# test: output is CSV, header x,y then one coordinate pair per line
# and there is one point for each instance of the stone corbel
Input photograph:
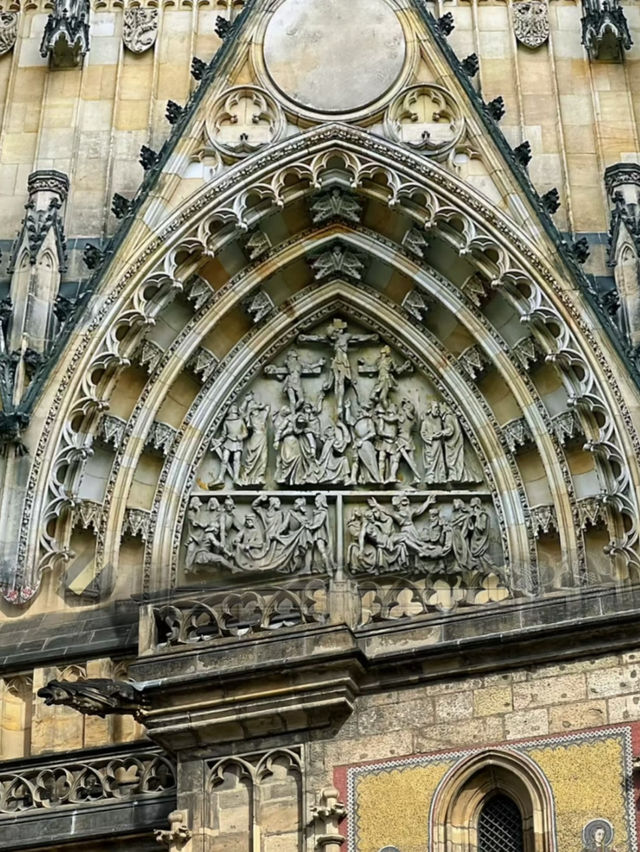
x,y
622,181
66,34
605,32
327,816
178,834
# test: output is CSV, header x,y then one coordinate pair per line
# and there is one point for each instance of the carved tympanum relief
x,y
531,22
140,28
8,31
307,456
244,120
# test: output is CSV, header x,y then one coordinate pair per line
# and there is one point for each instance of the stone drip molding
x,y
518,270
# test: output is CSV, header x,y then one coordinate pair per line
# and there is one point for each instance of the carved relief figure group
x,y
367,436
335,417
271,537
388,539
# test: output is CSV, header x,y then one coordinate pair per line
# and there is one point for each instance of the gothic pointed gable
x,y
337,335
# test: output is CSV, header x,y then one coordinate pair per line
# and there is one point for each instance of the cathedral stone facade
x,y
320,425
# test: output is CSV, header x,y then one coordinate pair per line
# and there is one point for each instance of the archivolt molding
x,y
465,788
232,294
425,193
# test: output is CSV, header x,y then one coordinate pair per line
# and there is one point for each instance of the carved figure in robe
x,y
272,516
373,549
207,546
319,536
274,539
437,533
479,538
333,464
363,430
250,543
387,374
340,340
461,526
408,539
453,439
230,444
296,445
291,373
406,445
197,521
228,521
387,442
435,470
256,451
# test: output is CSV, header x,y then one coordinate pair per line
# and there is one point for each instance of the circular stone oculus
x,y
334,56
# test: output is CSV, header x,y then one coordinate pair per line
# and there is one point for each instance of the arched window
x,y
495,801
500,826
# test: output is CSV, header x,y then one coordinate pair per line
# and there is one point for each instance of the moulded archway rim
x,y
226,198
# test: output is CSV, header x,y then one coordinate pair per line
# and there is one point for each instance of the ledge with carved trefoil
x,y
89,794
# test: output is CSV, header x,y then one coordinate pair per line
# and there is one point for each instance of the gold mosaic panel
x,y
589,775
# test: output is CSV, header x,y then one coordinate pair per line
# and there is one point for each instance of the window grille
x,y
500,826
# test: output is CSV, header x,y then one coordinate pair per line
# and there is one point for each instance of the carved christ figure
x,y
291,373
340,339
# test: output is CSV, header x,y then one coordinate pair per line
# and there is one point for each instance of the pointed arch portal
x,y
479,319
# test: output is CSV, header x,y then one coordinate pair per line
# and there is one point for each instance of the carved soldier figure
x,y
387,444
340,339
254,468
229,445
406,445
291,373
387,374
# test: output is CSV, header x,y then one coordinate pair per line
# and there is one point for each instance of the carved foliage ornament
x,y
425,118
8,31
244,120
140,29
531,22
